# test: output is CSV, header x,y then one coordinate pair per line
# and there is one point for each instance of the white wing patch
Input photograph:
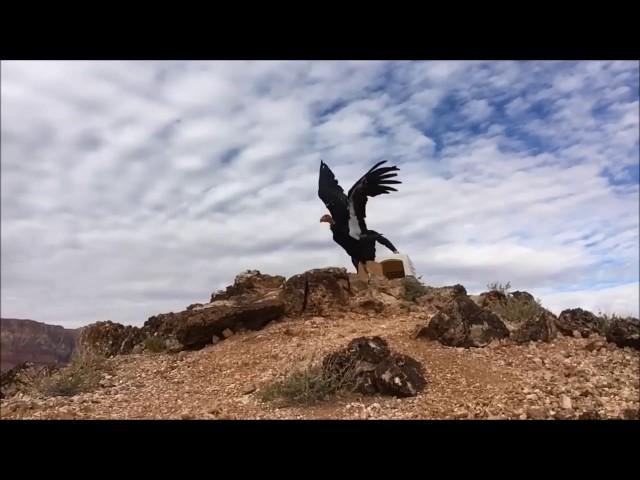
x,y
354,226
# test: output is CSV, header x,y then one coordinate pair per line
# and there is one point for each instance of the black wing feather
x,y
332,195
375,182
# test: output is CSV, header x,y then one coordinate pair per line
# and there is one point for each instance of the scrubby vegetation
x,y
310,383
499,287
155,345
83,374
413,288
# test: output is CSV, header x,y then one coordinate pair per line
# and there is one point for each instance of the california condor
x,y
348,212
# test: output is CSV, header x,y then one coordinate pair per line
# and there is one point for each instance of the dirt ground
x,y
566,378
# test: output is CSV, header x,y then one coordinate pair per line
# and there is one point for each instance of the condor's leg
x,y
367,271
356,264
363,273
373,268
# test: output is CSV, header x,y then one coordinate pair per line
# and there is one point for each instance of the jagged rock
x,y
526,320
368,349
163,324
22,377
370,305
251,302
196,328
624,332
109,339
526,296
172,344
399,375
249,283
539,328
492,297
316,292
441,296
377,295
582,321
373,368
11,380
462,323
226,333
394,288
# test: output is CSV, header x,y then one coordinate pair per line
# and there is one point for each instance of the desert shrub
x,y
413,288
81,375
517,310
155,344
311,383
499,287
611,317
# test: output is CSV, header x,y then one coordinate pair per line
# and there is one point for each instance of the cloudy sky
x,y
135,188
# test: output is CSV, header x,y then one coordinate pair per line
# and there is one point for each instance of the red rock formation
x,y
35,342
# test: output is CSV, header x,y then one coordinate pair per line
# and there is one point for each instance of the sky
x,y
135,188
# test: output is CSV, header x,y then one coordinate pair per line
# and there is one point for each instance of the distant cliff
x,y
37,342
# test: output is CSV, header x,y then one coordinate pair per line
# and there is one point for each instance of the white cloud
x,y
621,299
478,110
133,188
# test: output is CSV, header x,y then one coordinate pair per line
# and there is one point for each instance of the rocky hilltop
x,y
30,341
325,344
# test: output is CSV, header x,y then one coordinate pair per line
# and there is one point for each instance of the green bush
x,y
81,375
310,384
499,287
155,344
413,288
517,310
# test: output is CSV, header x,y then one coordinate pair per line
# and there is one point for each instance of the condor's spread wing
x,y
332,195
375,182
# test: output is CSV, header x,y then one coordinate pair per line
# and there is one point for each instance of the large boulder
x,y
462,323
399,375
624,332
526,320
491,298
109,339
372,368
541,327
378,295
317,292
162,325
525,296
253,300
196,328
582,321
21,378
438,297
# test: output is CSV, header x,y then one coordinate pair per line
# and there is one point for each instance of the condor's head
x,y
327,219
